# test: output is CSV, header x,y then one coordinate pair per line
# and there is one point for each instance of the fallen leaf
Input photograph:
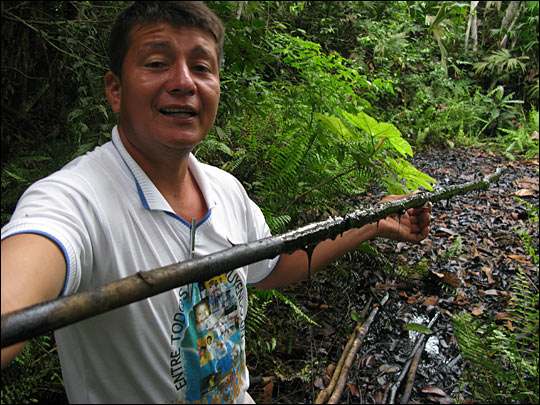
x,y
388,368
451,279
433,390
449,231
330,370
440,275
326,380
524,192
378,397
367,361
352,387
446,312
267,393
527,183
319,383
441,400
519,258
491,292
489,274
412,300
505,294
478,311
461,299
327,330
429,301
509,325
501,316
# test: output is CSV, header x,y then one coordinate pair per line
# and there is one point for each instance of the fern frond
x,y
256,317
294,307
504,362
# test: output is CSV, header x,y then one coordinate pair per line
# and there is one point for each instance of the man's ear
x,y
113,89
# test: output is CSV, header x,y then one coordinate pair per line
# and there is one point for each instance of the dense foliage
x,y
320,100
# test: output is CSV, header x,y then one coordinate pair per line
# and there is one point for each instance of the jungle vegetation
x,y
320,101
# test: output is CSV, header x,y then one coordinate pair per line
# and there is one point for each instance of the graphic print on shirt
x,y
208,333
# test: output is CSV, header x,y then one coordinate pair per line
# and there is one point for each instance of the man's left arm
x,y
412,226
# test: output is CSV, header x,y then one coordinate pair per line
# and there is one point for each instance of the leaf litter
x,y
468,263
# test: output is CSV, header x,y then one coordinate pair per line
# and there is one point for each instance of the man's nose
x,y
181,79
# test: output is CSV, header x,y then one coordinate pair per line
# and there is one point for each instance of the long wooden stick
x,y
41,318
361,334
325,393
412,373
419,342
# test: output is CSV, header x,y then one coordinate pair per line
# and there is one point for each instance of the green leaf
x,y
380,130
362,121
337,126
395,187
418,327
401,145
386,130
16,177
407,171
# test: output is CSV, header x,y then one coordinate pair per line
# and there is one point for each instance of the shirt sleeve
x,y
259,229
52,208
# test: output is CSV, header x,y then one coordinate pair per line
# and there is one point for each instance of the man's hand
x,y
411,226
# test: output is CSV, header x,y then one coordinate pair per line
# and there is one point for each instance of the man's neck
x,y
169,171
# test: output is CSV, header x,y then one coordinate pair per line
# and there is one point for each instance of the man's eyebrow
x,y
200,50
166,45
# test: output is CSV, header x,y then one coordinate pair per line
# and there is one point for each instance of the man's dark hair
x,y
177,13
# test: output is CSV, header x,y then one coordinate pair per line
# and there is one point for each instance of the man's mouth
x,y
178,112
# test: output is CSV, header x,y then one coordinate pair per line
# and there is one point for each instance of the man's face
x,y
169,91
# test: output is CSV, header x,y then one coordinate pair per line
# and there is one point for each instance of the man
x,y
132,205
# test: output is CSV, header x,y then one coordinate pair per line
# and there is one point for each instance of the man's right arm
x,y
33,271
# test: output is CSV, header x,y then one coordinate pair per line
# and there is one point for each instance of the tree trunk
x,y
239,9
475,34
471,25
510,18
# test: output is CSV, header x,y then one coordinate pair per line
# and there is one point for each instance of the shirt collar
x,y
151,197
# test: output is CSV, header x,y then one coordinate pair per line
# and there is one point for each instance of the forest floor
x,y
433,278
436,277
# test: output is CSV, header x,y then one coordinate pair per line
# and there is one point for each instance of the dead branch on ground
x,y
333,392
413,358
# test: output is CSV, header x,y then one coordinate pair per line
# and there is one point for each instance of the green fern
x,y
284,157
256,317
370,256
275,222
267,295
503,363
294,307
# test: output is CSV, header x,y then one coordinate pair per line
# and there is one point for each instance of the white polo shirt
x,y
111,221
